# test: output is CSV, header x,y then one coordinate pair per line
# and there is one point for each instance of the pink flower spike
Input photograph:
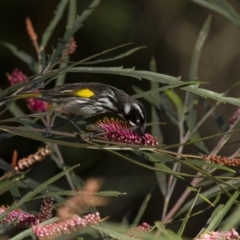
x,y
23,219
16,77
139,231
34,104
65,226
19,218
225,235
120,131
37,105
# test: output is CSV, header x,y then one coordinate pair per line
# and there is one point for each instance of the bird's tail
x,y
20,96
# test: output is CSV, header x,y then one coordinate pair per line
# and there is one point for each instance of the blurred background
x,y
169,29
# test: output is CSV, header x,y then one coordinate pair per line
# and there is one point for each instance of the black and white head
x,y
135,114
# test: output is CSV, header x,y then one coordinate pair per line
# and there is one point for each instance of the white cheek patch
x,y
139,109
127,108
132,124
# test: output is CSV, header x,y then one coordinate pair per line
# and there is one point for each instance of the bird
x,y
89,99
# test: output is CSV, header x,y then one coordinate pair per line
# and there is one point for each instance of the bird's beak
x,y
140,130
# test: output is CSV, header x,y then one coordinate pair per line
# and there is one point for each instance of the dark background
x,y
169,29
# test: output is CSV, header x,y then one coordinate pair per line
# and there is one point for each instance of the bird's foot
x,y
48,131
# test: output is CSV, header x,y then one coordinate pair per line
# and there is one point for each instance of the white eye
x,y
138,121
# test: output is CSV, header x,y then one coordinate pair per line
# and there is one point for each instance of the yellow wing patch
x,y
85,93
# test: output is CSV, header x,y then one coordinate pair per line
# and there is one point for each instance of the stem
x,y
176,167
63,166
180,201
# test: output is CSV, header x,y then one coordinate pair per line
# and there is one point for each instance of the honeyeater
x,y
89,99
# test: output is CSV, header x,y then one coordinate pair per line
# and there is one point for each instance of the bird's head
x,y
135,114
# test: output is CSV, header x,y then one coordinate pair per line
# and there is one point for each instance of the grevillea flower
x,y
234,118
65,226
225,235
46,211
27,162
120,131
16,77
71,47
35,105
139,231
21,218
222,160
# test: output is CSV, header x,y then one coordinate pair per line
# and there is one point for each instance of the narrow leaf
x,y
222,7
32,64
218,216
183,225
58,15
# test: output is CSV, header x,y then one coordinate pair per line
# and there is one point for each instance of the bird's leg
x,y
50,123
83,135
70,120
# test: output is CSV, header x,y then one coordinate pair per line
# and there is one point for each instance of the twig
x,y
63,166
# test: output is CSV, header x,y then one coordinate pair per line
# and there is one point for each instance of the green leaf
x,y
113,233
193,73
191,100
217,217
183,225
75,26
222,7
42,60
168,108
142,209
16,110
213,95
213,215
72,13
16,195
58,15
131,72
176,100
148,98
71,30
232,221
165,234
157,77
122,55
8,183
109,194
32,64
157,89
200,145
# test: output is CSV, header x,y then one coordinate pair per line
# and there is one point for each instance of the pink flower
x,y
46,211
20,218
65,226
139,231
234,118
37,105
120,131
227,235
34,104
16,77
